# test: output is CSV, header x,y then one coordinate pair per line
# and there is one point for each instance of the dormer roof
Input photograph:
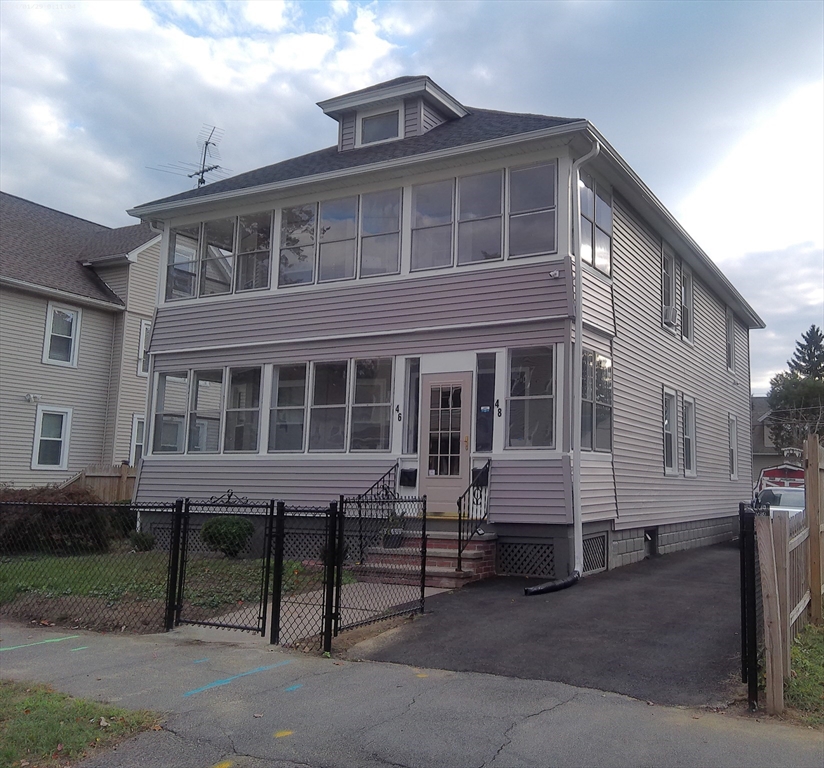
x,y
392,91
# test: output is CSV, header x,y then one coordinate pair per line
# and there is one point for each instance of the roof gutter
x,y
55,293
180,206
577,362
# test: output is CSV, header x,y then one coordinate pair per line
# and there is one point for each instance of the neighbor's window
x,y
138,437
480,217
595,223
242,410
181,272
51,438
485,401
297,246
729,338
327,426
596,402
689,437
253,253
338,239
432,215
379,127
687,303
143,348
380,233
532,210
287,417
205,411
372,405
170,412
62,336
670,432
530,404
732,426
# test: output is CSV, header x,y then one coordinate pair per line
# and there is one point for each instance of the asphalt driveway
x,y
664,630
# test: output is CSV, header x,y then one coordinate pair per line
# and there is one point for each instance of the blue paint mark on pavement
x,y
199,661
293,687
228,680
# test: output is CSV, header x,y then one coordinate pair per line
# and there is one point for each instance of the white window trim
x,y
669,311
687,273
136,417
142,347
374,112
66,433
76,311
668,392
732,430
729,341
693,452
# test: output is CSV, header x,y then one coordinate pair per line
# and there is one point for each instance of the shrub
x,y
227,533
142,541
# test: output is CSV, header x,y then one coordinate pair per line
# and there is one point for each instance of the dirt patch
x,y
352,637
99,614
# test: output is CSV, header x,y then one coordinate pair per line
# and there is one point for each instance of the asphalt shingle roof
x,y
45,247
478,126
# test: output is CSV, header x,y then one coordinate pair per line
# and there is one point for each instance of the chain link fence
x,y
86,566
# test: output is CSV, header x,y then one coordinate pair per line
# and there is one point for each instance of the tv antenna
x,y
207,141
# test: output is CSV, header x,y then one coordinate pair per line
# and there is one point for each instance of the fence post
x,y
781,537
277,582
812,484
268,529
423,553
184,552
749,628
329,577
174,565
774,677
121,480
340,556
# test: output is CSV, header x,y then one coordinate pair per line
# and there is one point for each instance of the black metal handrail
x,y
473,508
385,487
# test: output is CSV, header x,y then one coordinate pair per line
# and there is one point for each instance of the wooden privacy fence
x,y
789,552
107,483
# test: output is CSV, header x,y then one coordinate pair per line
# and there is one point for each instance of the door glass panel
x,y
444,431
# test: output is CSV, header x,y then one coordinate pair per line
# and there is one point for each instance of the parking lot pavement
x,y
230,700
664,630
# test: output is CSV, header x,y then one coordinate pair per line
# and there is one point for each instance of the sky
x,y
717,106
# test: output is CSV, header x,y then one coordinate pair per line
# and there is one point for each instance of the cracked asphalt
x,y
231,701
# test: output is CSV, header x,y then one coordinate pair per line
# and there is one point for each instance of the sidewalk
x,y
232,700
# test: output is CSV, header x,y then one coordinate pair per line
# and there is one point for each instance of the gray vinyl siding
x,y
347,131
530,491
476,296
131,388
116,375
411,117
117,278
84,389
293,479
597,301
648,357
430,118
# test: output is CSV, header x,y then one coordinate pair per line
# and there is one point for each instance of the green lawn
x,y
804,691
42,728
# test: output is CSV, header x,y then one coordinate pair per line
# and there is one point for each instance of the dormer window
x,y
380,127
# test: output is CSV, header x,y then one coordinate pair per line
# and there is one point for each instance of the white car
x,y
783,499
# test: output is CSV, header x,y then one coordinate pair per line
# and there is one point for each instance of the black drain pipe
x,y
553,586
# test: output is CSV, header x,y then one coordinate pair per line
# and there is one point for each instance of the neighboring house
x,y
76,305
408,295
764,452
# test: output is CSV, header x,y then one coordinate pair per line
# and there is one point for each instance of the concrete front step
x,y
436,576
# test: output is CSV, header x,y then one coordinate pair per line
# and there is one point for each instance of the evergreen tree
x,y
808,358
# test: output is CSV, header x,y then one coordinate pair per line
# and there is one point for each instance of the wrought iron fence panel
x,y
89,566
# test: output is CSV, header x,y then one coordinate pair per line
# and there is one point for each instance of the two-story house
x,y
76,305
411,294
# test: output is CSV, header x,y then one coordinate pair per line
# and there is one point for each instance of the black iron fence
x,y
751,605
473,507
88,566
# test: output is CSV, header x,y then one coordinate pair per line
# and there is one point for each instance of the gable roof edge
x,y
65,296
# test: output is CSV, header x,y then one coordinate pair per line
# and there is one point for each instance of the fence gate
x,y
219,563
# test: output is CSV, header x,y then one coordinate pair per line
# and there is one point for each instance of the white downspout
x,y
577,364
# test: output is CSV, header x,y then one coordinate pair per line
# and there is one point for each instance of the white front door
x,y
446,402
